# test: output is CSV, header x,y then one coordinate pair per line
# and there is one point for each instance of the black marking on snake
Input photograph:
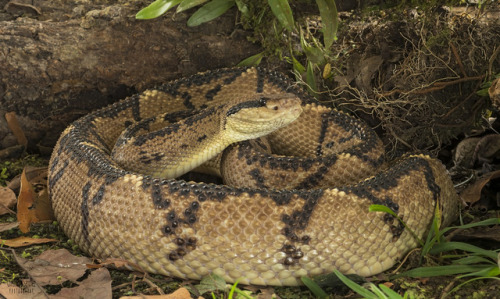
x,y
258,178
99,195
187,100
325,121
205,113
293,254
298,221
345,139
85,211
57,176
313,180
93,133
140,140
149,158
127,123
213,92
201,138
244,105
159,201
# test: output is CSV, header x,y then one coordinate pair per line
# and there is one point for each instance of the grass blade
x,y
281,9
253,60
210,11
314,287
390,293
354,286
329,18
440,271
310,78
156,9
448,246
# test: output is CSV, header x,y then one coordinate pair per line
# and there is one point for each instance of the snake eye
x,y
263,101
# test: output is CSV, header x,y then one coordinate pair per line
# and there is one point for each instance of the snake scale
x,y
259,234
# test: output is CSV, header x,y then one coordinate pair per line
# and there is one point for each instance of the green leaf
x,y
187,4
354,286
281,9
486,272
310,78
210,11
156,9
297,66
211,283
441,271
329,18
470,260
253,60
389,292
313,287
382,208
243,8
313,54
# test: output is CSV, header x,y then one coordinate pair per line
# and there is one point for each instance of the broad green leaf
x,y
329,18
211,283
297,66
281,9
313,54
187,4
156,9
253,60
314,287
210,11
310,78
354,286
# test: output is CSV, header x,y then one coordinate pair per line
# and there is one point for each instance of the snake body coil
x,y
260,235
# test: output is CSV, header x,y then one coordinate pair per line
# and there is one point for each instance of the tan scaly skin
x,y
187,149
257,235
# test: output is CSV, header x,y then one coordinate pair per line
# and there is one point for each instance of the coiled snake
x,y
260,234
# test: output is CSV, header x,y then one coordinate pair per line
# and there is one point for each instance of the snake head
x,y
261,115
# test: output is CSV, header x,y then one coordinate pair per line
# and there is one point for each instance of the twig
x,y
434,87
153,285
492,59
459,61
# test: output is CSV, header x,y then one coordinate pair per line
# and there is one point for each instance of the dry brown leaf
x,y
11,291
16,129
35,175
97,285
55,267
472,193
7,226
25,241
32,207
7,200
181,293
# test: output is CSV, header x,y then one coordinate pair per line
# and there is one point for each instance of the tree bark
x,y
60,60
